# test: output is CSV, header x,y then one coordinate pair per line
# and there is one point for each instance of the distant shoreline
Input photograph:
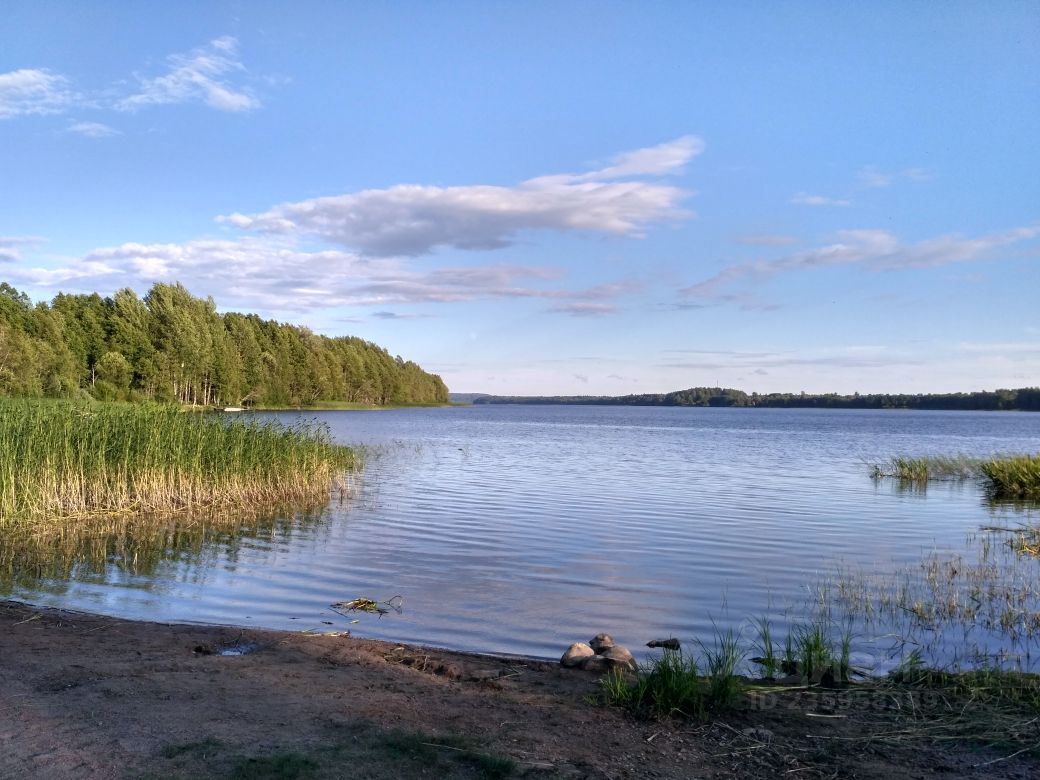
x,y
1025,399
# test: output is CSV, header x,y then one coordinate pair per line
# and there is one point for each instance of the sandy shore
x,y
85,696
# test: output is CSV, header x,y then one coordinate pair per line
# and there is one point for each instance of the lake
x,y
521,529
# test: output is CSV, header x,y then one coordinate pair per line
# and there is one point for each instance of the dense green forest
x,y
1024,399
172,346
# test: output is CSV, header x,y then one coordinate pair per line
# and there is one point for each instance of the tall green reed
x,y
62,460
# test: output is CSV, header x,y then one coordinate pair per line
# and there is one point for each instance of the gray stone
x,y
595,663
601,642
668,644
619,656
575,654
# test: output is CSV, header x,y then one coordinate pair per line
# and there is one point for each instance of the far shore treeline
x,y
173,347
1025,399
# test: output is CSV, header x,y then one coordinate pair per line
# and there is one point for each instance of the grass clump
x,y
1005,477
674,684
925,468
62,460
809,651
1013,477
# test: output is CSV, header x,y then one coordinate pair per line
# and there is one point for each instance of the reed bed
x,y
925,468
62,461
1014,477
1004,476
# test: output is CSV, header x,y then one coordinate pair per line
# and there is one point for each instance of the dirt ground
x,y
84,696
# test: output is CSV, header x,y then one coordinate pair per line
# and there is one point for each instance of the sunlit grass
x,y
1004,476
1013,477
61,461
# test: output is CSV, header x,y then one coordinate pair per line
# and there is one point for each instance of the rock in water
x,y
618,656
575,654
668,644
601,642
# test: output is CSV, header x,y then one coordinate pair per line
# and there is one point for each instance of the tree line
x,y
173,347
1023,399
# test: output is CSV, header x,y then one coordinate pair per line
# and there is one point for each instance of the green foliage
x,y
1013,477
673,684
61,459
769,659
174,347
925,468
1006,477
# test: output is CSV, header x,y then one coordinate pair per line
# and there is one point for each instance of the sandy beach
x,y
87,696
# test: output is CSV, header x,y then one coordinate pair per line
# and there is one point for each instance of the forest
x,y
173,347
1023,399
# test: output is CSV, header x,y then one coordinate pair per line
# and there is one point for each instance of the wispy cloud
x,y
805,199
10,247
394,315
276,276
212,74
413,219
854,356
874,249
766,239
29,91
584,309
93,129
870,177
202,75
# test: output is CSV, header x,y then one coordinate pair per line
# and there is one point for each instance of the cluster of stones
x,y
599,655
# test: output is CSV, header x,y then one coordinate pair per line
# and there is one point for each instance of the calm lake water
x,y
522,529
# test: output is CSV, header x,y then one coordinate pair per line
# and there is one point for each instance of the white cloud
x,y
93,129
207,74
10,247
661,160
28,91
199,75
271,275
412,219
805,199
874,249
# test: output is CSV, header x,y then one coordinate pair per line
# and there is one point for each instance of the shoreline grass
x,y
64,460
988,706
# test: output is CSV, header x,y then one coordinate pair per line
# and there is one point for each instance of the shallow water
x,y
522,529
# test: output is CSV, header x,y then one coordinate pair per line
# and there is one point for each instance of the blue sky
x,y
551,197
